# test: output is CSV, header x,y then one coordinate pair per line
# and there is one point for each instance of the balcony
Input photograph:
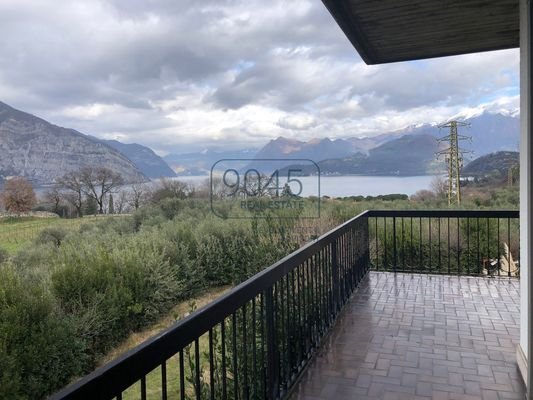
x,y
391,304
419,336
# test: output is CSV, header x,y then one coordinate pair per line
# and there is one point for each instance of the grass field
x,y
15,232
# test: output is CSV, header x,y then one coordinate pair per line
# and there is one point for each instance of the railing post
x,y
272,356
394,254
367,245
335,280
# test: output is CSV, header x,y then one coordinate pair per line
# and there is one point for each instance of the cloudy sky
x,y
183,75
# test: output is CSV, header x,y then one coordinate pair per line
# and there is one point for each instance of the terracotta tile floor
x,y
412,336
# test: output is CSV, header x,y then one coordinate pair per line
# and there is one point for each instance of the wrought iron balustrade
x,y
251,343
445,241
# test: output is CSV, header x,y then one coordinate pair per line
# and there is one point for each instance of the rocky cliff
x,y
42,152
151,165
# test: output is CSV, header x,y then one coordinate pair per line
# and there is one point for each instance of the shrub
x,y
4,255
52,235
112,286
39,351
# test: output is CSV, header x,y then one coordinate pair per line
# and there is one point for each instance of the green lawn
x,y
15,232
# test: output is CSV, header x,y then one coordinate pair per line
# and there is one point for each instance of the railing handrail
x,y
445,213
127,369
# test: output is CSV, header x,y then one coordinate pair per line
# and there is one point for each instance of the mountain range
x,y
499,163
144,158
43,152
394,157
409,151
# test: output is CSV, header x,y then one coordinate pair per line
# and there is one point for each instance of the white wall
x,y
525,169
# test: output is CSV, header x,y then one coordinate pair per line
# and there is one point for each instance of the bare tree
x,y
138,191
439,186
98,183
54,197
73,183
121,202
18,195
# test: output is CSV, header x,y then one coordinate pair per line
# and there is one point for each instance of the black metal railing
x,y
251,343
445,242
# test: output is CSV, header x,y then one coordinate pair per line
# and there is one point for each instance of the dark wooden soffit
x,y
385,31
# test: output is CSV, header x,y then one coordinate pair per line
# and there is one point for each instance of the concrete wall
x,y
525,179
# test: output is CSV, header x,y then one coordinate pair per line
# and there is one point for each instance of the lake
x,y
352,185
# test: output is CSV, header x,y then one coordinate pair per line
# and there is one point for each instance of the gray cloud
x,y
176,74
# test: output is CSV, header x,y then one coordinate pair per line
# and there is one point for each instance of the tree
x,y
121,202
98,183
90,206
137,195
54,197
439,187
423,196
18,195
111,206
72,182
169,188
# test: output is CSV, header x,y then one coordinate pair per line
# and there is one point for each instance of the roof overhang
x,y
385,31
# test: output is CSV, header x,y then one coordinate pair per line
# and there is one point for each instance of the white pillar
x,y
525,349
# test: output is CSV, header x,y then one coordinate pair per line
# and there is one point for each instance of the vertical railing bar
x,y
264,359
449,248
385,248
325,294
182,375
420,242
343,256
478,253
321,294
143,387
307,308
288,333
280,320
223,351
314,299
509,243
411,246
377,245
211,366
394,249
164,380
197,385
403,244
335,268
468,255
272,363
440,246
488,244
234,354
458,246
246,393
254,348
430,244
299,270
499,252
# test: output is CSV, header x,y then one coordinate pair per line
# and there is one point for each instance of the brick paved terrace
x,y
414,336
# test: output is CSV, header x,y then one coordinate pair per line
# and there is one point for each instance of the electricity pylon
x,y
454,159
